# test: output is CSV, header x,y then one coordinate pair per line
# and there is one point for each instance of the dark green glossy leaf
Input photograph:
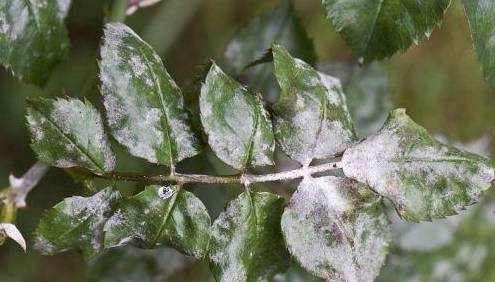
x,y
459,248
337,229
76,224
145,108
68,133
238,127
160,216
377,29
246,241
424,178
130,264
33,38
311,116
280,25
481,18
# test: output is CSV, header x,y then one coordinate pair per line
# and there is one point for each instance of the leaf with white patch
x,y
76,223
238,127
33,39
160,216
337,229
481,18
10,230
311,116
246,241
424,178
68,133
280,25
145,108
378,29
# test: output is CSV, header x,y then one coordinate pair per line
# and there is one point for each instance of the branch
x,y
244,179
22,186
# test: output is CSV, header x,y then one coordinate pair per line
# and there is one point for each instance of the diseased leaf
x,y
246,242
145,108
311,117
160,216
76,223
337,229
33,38
481,18
424,178
130,264
280,25
377,29
238,127
458,248
10,230
68,133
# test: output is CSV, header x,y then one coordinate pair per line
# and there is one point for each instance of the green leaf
x,y
311,116
337,229
280,25
246,242
238,127
424,178
76,223
377,29
160,216
131,264
68,133
145,108
459,248
33,38
481,18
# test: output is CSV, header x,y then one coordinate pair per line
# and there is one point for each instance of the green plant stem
x,y
118,11
244,179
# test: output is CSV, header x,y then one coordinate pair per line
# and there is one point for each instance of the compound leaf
x,y
238,127
246,241
33,38
377,29
68,133
160,216
424,178
337,229
311,117
145,108
76,223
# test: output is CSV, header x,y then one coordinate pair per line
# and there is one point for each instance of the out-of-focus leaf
x,y
280,25
76,223
337,229
238,127
459,248
424,178
134,5
69,133
145,108
311,116
481,18
246,240
130,264
378,29
10,230
33,38
160,216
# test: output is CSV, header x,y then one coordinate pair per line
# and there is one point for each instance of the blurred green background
x,y
439,82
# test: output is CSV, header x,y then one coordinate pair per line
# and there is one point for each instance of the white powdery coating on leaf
x,y
328,237
11,231
381,159
83,123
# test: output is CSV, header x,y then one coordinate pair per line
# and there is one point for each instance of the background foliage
x,y
439,82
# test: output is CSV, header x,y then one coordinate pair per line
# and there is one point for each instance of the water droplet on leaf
x,y
165,192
